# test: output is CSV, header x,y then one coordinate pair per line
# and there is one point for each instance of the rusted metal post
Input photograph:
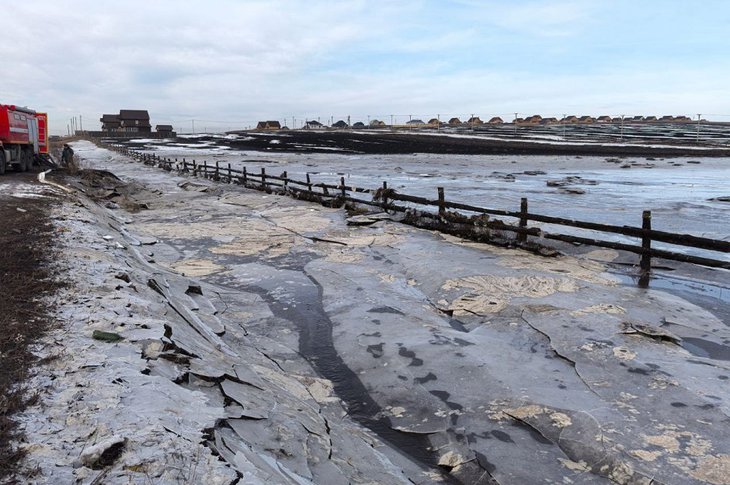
x,y
342,187
263,177
646,242
521,236
442,201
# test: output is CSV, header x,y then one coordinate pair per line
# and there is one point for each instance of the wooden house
x,y
495,120
268,125
165,130
135,121
313,125
454,121
110,122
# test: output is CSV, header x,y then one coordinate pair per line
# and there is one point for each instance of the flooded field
x,y
685,194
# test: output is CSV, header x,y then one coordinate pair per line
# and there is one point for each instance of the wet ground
x,y
686,194
464,360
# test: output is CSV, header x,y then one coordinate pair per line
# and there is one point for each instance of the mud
x,y
279,336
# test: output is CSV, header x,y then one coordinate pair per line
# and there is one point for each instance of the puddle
x,y
710,296
300,302
705,348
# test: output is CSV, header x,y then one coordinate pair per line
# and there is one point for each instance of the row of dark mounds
x,y
384,143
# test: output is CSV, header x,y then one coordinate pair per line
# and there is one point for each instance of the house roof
x,y
107,118
134,114
163,127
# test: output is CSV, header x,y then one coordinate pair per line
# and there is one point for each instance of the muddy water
x,y
295,296
715,298
681,192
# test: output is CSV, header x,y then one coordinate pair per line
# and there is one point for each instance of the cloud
x,y
233,62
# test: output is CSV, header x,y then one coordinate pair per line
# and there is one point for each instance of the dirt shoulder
x,y
28,281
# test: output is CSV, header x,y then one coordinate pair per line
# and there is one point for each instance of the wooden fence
x,y
478,225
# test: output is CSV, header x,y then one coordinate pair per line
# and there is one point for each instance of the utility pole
x,y
81,123
563,121
193,123
391,122
622,127
472,121
438,122
699,116
515,122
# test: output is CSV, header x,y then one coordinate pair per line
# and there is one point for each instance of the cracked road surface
x,y
468,363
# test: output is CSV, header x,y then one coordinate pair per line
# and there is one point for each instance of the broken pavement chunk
x,y
106,336
650,331
103,454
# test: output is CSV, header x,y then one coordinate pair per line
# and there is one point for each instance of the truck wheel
x,y
23,166
2,162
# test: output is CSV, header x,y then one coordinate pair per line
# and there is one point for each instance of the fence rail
x,y
477,225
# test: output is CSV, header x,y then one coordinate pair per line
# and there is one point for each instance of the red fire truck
x,y
23,137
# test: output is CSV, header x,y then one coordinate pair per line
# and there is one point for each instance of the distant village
x,y
134,121
534,120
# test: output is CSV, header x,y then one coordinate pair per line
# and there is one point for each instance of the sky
x,y
224,64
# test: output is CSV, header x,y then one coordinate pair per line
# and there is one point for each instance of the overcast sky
x,y
227,64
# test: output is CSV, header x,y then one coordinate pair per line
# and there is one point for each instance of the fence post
x,y
230,179
442,201
309,183
385,196
245,176
342,187
263,178
286,180
521,236
646,242
205,169
217,170
195,168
